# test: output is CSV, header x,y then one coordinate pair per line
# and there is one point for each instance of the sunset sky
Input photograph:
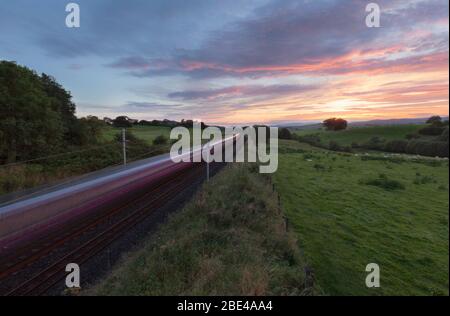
x,y
238,61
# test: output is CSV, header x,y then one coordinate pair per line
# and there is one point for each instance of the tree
x,y
61,102
37,116
435,120
335,124
91,128
30,125
285,134
122,121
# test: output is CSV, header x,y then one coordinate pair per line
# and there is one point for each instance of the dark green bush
x,y
423,179
396,146
444,135
312,139
412,136
375,143
427,148
432,130
334,146
285,134
160,140
319,167
384,182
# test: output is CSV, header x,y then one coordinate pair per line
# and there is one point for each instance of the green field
x,y
363,134
146,133
347,213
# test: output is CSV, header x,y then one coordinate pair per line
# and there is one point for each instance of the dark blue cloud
x,y
298,32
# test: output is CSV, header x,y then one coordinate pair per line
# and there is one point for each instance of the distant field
x,y
147,133
363,134
343,223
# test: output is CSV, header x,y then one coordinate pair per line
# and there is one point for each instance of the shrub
x,y
334,146
312,139
285,134
160,140
319,167
444,135
347,149
432,130
423,179
412,136
375,143
396,146
384,182
427,148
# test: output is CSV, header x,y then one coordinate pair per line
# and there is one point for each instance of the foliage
x,y
396,146
37,116
335,124
435,120
384,182
432,130
374,143
30,119
160,140
428,148
444,136
382,138
285,134
122,122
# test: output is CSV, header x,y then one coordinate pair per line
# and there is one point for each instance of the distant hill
x,y
404,121
304,127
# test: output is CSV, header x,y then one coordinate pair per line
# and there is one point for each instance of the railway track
x,y
45,279
22,257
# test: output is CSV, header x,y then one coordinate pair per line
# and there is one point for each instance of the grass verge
x,y
230,239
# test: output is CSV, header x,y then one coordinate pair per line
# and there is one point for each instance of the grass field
x,y
146,133
363,134
347,213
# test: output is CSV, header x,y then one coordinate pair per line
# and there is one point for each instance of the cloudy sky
x,y
238,61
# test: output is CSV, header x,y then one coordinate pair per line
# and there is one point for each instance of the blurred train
x,y
27,218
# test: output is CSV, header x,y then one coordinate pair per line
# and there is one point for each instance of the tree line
x,y
37,116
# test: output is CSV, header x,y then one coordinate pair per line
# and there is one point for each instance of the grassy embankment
x,y
350,210
229,240
107,153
